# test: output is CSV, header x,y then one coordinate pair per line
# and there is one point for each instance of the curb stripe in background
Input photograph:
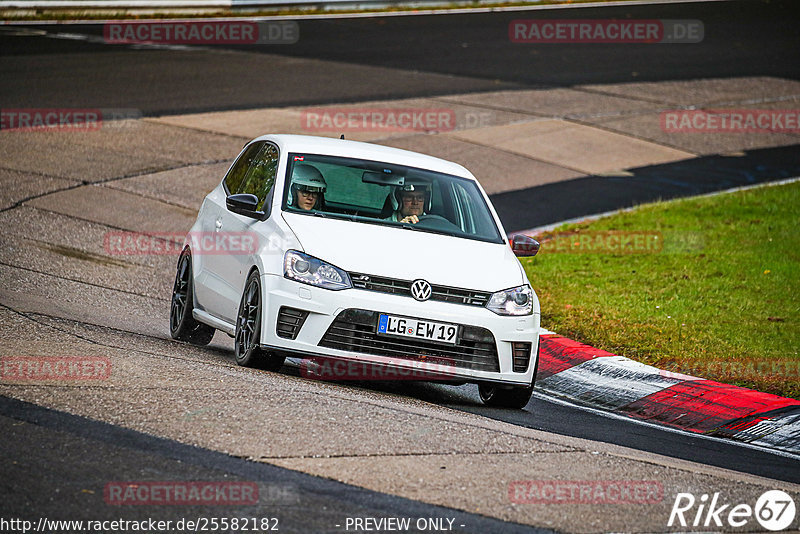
x,y
604,380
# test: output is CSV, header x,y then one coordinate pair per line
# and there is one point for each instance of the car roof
x,y
355,149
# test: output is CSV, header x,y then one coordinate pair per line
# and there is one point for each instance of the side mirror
x,y
244,204
524,246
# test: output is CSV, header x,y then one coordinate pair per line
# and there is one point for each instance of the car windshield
x,y
387,194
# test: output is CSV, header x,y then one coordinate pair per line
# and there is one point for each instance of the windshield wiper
x,y
344,216
415,227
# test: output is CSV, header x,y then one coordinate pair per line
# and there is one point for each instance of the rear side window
x,y
237,173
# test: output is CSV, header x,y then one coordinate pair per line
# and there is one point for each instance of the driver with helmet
x,y
308,187
413,200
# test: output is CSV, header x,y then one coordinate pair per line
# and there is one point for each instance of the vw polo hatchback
x,y
315,247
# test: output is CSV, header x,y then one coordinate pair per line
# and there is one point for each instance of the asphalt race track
x,y
407,56
324,452
81,441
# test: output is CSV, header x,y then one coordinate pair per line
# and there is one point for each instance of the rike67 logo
x,y
774,510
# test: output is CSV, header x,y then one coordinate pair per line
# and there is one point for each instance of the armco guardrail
x,y
158,5
204,6
146,4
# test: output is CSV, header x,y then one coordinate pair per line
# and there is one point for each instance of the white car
x,y
316,247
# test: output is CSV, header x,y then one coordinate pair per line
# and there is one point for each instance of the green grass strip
x,y
708,286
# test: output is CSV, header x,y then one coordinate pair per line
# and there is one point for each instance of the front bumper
x,y
342,325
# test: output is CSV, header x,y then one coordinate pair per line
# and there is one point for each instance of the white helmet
x,y
306,177
413,185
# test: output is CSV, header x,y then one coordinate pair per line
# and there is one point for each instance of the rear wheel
x,y
182,325
248,330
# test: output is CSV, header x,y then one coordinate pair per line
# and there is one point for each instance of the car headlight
x,y
514,301
310,270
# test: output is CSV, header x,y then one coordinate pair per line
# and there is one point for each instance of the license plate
x,y
391,325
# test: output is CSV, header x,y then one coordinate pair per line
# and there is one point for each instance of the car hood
x,y
407,254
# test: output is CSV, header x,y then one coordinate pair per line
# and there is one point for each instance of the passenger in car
x,y
308,188
413,201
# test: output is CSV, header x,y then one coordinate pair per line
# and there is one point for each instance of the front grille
x,y
394,286
355,330
290,321
381,284
522,356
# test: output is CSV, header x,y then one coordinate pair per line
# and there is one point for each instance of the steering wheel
x,y
437,222
432,217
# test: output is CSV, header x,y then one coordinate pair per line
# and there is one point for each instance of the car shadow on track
x,y
550,415
432,392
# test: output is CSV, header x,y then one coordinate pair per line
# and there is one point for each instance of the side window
x,y
237,173
261,174
471,218
464,209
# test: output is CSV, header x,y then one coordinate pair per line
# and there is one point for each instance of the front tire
x,y
496,396
182,325
518,398
248,330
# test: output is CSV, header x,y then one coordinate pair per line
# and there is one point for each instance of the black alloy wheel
x,y
182,325
248,330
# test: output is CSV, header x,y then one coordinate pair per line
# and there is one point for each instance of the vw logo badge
x,y
421,290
